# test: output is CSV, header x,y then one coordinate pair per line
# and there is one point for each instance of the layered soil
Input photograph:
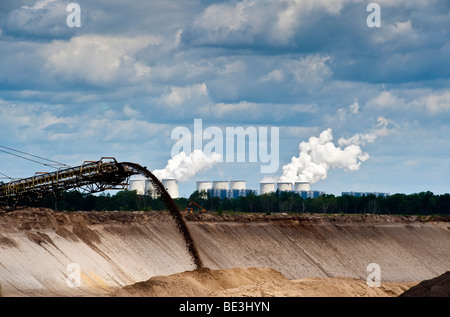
x,y
143,254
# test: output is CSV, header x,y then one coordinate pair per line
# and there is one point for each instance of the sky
x,y
358,108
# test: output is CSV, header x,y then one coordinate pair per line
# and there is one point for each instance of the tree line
x,y
423,203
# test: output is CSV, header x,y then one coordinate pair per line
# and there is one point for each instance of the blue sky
x,y
119,84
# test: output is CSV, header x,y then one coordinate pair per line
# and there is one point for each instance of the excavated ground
x,y
143,254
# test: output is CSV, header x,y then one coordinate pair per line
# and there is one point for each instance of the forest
x,y
423,203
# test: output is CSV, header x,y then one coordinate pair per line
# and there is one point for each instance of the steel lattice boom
x,y
90,177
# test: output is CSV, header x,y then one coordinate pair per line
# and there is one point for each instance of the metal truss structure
x,y
90,177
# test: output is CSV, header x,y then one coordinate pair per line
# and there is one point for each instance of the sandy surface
x,y
276,255
256,282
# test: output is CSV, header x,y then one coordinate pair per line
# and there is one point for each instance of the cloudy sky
x,y
135,70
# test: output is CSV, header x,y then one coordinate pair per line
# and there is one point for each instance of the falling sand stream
x,y
174,211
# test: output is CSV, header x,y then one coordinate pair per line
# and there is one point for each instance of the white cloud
x,y
221,109
354,108
249,21
398,31
431,102
39,4
97,59
276,75
228,20
311,69
254,110
384,100
304,108
43,19
23,122
130,112
233,67
116,130
435,103
294,14
344,113
298,132
181,95
31,123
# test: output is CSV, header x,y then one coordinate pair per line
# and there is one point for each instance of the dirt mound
x,y
255,282
436,287
200,282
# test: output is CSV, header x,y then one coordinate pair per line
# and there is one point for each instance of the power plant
x,y
237,189
171,185
139,185
284,186
231,189
237,185
301,188
145,187
266,188
203,187
234,189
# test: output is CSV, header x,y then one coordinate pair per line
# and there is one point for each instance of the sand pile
x,y
436,287
255,282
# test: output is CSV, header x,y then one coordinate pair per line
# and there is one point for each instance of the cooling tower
x,y
220,185
266,188
151,191
284,186
239,185
203,185
139,185
299,186
171,185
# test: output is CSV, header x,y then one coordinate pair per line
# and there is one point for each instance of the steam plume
x,y
320,154
182,167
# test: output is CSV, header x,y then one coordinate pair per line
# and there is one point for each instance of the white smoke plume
x,y
320,154
182,167
362,139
